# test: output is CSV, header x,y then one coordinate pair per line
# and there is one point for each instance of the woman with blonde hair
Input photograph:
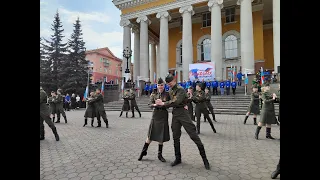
x,y
254,105
267,116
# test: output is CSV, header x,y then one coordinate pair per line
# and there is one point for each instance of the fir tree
x,y
76,67
45,71
56,52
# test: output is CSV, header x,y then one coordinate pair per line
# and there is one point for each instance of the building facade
x,y
241,33
104,65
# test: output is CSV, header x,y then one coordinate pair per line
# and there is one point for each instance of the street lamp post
x,y
127,54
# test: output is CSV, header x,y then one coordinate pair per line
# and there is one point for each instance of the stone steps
x,y
236,105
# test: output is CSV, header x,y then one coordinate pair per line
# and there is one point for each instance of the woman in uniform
x,y
254,105
90,111
126,104
159,126
52,105
267,116
189,103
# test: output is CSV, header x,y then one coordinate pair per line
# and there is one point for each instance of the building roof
x,y
101,51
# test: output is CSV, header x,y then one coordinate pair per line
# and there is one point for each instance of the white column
x,y
276,34
246,35
136,54
215,7
144,46
158,62
187,50
152,61
164,43
126,24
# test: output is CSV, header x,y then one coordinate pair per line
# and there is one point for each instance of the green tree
x,y
76,67
56,54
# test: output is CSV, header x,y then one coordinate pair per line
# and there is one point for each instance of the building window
x,y
105,70
206,50
230,14
100,69
110,72
231,46
181,24
206,19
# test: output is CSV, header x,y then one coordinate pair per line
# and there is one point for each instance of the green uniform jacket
x,y
254,103
199,98
44,109
59,103
98,102
178,97
159,125
52,105
268,115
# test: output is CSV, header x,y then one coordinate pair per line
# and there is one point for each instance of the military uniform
x,y
126,104
45,116
253,106
134,103
159,125
90,112
199,99
209,105
190,106
98,104
59,107
267,115
52,106
180,117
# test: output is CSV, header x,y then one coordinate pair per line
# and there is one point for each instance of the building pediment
x,y
123,4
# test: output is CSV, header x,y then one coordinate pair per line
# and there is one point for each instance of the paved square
x,y
85,153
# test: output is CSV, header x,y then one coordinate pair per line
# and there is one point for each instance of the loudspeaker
x,y
278,69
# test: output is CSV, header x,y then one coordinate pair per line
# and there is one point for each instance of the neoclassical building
x,y
171,34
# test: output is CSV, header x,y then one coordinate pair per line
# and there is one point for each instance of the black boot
x,y
99,124
257,132
177,153
255,121
245,120
54,130
139,113
212,126
204,157
160,153
92,120
144,151
41,132
214,117
107,123
58,120
268,133
65,119
276,172
85,122
53,119
120,113
205,120
126,114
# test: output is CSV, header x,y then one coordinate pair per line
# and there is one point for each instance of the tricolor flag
x,y
154,77
85,95
122,84
262,76
102,88
176,75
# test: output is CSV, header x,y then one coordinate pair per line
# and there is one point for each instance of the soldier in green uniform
x,y
100,112
45,116
126,104
180,117
278,101
254,105
268,115
90,111
189,103
209,105
159,126
52,105
134,103
59,107
199,99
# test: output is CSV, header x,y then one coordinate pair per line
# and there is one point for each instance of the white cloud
x,y
93,35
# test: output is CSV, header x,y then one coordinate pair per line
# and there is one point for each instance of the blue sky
x,y
100,21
